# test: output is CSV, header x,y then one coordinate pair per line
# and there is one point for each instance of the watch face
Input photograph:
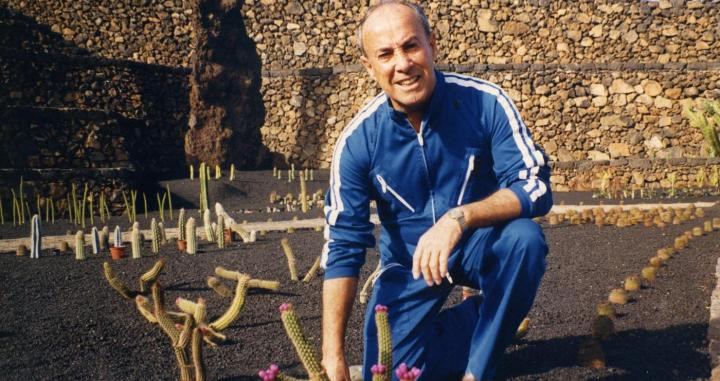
x,y
456,213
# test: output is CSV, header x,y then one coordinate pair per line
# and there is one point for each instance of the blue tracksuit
x,y
472,142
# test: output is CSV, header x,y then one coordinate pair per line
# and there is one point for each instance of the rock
x,y
702,45
596,31
297,100
664,121
299,48
630,37
670,153
542,90
673,93
670,31
564,155
557,179
292,26
598,89
661,102
652,88
621,87
663,58
586,42
594,133
514,28
486,25
597,155
294,8
615,121
562,47
583,18
600,101
574,35
618,150
695,4
550,147
665,4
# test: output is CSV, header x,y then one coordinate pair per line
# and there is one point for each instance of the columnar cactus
x,y
313,270
384,339
115,282
79,245
191,236
105,238
136,243
302,347
151,275
163,237
303,195
207,224
234,310
181,224
35,237
290,258
155,234
220,231
117,237
95,240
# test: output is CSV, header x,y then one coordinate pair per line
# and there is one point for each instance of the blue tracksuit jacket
x,y
472,142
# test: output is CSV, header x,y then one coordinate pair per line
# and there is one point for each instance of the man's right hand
x,y
336,368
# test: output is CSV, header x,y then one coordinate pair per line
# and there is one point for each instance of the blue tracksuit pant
x,y
506,262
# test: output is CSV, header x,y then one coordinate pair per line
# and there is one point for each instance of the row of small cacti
x,y
590,352
307,174
658,217
206,168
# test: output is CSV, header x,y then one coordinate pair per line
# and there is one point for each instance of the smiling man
x,y
456,178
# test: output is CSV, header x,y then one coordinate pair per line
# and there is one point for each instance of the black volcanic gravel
x,y
63,321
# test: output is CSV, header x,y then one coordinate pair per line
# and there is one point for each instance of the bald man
x,y
456,178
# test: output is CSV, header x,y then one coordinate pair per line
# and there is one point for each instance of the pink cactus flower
x,y
380,308
285,307
378,369
405,374
270,373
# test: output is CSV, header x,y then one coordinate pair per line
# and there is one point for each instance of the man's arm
x,y
338,296
434,247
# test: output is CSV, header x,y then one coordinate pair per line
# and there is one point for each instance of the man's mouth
x,y
408,81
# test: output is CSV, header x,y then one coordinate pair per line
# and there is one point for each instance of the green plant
x,y
79,245
303,195
135,242
161,205
672,178
150,276
384,339
218,172
84,200
207,224
232,172
95,240
235,306
181,224
302,347
91,214
191,236
155,233
115,282
220,231
192,170
706,125
290,259
145,205
204,201
313,270
220,288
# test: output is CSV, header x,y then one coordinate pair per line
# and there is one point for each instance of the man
x,y
456,178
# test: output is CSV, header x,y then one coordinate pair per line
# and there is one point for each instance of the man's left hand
x,y
433,250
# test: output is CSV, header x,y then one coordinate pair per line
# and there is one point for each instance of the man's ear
x,y
368,66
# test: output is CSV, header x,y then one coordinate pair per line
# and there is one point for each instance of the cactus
x,y
191,236
168,326
219,287
618,296
181,224
155,234
290,258
197,358
143,305
313,270
136,243
632,283
79,245
303,195
384,338
234,310
35,237
207,224
117,237
186,306
606,309
192,172
151,275
220,231
115,282
105,238
95,240
404,373
602,328
302,347
163,236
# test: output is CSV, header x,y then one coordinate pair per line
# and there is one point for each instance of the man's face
x,y
400,56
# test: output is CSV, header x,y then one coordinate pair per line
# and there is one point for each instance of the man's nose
x,y
403,62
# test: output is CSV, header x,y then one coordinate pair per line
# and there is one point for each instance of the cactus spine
x,y
79,245
207,224
136,243
290,258
384,339
155,232
302,347
220,231
191,237
181,224
95,240
117,237
115,282
35,237
151,275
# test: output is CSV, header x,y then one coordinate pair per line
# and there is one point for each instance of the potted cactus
x,y
117,251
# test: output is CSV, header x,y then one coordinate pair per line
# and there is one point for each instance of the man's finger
x,y
434,266
424,261
416,259
444,255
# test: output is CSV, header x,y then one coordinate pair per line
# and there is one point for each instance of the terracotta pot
x,y
117,252
228,236
182,245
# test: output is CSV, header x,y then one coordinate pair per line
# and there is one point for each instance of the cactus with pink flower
x,y
384,342
407,374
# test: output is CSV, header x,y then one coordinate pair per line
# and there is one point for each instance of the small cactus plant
x,y
117,237
235,306
104,238
115,282
155,236
191,236
618,296
290,259
136,242
220,231
95,240
384,339
79,245
35,237
181,225
632,283
207,224
606,309
302,347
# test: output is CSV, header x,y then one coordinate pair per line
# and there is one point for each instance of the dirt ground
x,y
61,320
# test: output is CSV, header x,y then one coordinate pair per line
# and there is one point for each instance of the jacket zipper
x,y
421,141
386,188
471,167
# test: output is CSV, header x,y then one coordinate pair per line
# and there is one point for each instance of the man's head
x,y
398,50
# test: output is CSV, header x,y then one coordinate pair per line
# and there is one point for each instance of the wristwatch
x,y
458,215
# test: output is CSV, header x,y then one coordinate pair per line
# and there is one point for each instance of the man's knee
x,y
523,239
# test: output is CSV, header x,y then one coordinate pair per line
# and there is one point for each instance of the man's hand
x,y
336,368
433,250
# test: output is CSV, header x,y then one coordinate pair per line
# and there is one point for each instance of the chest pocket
x,y
395,197
474,168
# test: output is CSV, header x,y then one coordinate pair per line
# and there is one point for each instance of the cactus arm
x,y
265,284
186,306
227,274
290,258
165,322
197,357
115,282
143,306
313,270
151,275
219,287
302,347
384,339
235,307
182,360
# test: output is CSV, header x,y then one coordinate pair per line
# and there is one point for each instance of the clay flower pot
x,y
228,236
182,245
117,252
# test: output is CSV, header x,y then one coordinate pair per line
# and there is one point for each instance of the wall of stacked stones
x,y
594,80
